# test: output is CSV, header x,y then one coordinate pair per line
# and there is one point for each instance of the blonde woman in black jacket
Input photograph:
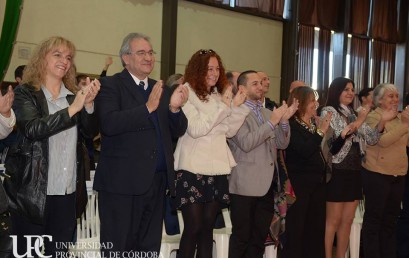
x,y
45,166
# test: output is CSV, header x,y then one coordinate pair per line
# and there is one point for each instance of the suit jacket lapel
x,y
42,102
130,85
265,113
254,118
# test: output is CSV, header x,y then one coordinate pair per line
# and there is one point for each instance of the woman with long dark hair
x,y
351,135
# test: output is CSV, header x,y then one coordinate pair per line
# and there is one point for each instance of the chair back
x,y
89,224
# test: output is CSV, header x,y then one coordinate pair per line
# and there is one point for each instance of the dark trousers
x,y
251,218
133,223
402,233
59,222
383,195
305,221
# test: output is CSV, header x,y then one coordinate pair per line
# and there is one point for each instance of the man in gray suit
x,y
255,150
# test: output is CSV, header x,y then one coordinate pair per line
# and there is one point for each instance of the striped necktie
x,y
142,85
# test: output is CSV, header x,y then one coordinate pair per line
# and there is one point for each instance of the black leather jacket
x,y
27,162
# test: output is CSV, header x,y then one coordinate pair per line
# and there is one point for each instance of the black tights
x,y
199,219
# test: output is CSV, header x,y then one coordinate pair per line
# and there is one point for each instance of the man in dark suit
x,y
138,117
265,83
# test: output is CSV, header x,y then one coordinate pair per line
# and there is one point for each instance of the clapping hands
x,y
240,97
227,96
324,123
278,113
290,111
178,98
6,101
85,97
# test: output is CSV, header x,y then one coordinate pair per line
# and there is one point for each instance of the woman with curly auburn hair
x,y
46,187
202,157
196,75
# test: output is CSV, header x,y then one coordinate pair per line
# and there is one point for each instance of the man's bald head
x,y
296,84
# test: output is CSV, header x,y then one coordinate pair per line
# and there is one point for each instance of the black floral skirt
x,y
196,188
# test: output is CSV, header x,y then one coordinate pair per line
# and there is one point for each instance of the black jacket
x,y
270,104
27,162
303,154
129,154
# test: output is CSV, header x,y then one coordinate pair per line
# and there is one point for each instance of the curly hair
x,y
196,72
35,71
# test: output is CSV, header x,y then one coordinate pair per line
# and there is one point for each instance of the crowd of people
x,y
207,139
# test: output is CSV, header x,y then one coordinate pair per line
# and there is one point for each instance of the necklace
x,y
311,128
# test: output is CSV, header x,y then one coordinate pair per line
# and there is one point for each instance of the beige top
x,y
203,148
388,156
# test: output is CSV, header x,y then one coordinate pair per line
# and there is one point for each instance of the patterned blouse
x,y
364,135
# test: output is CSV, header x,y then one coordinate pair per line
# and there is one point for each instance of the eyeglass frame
x,y
142,53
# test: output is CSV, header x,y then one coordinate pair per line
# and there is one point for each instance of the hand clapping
x,y
84,97
227,96
91,91
154,97
324,123
240,97
405,116
6,101
178,98
291,110
278,113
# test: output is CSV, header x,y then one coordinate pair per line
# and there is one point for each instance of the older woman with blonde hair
x,y
46,187
383,175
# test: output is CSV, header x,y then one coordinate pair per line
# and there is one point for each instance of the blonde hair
x,y
35,71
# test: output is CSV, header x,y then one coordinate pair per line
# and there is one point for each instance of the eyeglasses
x,y
143,53
205,51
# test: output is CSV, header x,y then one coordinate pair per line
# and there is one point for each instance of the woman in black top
x,y
305,225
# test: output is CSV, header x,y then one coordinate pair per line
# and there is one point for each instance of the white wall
x,y
243,41
96,27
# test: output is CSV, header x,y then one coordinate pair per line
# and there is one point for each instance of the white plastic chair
x,y
221,236
88,230
270,251
170,243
